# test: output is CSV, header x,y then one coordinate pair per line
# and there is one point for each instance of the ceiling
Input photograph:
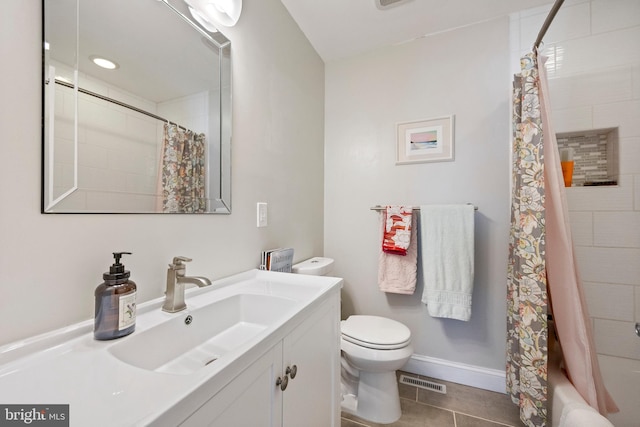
x,y
154,62
342,28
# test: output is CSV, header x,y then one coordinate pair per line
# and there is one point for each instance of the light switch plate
x,y
262,215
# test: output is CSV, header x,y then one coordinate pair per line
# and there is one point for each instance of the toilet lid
x,y
375,332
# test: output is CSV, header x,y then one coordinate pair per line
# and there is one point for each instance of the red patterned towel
x,y
397,230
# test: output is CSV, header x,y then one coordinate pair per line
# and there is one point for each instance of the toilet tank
x,y
316,266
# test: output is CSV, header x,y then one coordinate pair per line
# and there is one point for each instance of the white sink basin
x,y
198,338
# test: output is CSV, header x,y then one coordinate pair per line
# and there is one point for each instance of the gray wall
x,y
50,264
462,72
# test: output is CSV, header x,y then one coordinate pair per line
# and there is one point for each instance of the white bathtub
x,y
622,378
568,408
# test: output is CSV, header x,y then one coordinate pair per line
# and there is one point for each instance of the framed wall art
x,y
422,141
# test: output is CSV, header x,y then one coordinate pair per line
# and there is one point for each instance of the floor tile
x,y
414,414
461,406
473,401
344,422
468,421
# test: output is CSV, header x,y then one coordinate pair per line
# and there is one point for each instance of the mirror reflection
x,y
137,109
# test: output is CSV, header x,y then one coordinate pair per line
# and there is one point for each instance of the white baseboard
x,y
461,373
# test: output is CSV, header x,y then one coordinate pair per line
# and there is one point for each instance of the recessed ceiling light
x,y
103,62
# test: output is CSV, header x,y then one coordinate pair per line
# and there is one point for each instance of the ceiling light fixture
x,y
386,4
213,12
104,63
203,20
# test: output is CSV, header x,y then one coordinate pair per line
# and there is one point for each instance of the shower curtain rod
x,y
547,22
115,101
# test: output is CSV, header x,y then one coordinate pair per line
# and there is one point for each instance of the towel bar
x,y
415,208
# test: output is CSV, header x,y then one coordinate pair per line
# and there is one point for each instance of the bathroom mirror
x,y
150,135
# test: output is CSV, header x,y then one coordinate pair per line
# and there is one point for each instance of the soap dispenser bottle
x,y
115,314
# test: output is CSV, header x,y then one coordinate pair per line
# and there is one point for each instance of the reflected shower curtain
x,y
541,257
526,274
183,171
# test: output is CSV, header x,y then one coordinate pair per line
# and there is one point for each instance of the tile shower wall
x,y
594,80
114,168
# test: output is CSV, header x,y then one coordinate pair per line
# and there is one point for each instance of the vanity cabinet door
x,y
312,397
249,400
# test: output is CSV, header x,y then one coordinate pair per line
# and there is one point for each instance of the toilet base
x,y
378,399
349,404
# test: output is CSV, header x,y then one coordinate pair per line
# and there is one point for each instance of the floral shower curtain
x,y
183,171
541,258
526,275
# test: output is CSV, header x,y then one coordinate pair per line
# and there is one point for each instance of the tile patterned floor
x,y
461,406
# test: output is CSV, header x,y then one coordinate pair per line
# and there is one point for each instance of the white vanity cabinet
x,y
312,397
257,396
215,364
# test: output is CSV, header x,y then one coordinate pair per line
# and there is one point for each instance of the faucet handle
x,y
178,261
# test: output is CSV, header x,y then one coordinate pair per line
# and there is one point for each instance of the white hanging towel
x,y
447,239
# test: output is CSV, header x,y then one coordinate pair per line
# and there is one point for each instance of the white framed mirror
x,y
152,134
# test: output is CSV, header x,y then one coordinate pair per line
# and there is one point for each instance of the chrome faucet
x,y
176,280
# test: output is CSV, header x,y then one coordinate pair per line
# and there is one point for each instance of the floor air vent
x,y
427,385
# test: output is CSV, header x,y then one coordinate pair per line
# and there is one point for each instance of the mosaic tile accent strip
x,y
593,164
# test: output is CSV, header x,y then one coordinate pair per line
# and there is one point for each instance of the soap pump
x,y
115,314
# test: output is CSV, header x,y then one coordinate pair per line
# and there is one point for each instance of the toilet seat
x,y
375,332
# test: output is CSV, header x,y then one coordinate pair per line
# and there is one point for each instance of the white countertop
x,y
69,366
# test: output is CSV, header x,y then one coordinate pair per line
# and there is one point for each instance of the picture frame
x,y
421,141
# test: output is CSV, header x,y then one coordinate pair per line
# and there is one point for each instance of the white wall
x,y
462,72
594,84
51,264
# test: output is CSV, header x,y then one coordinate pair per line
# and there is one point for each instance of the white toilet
x,y
373,348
